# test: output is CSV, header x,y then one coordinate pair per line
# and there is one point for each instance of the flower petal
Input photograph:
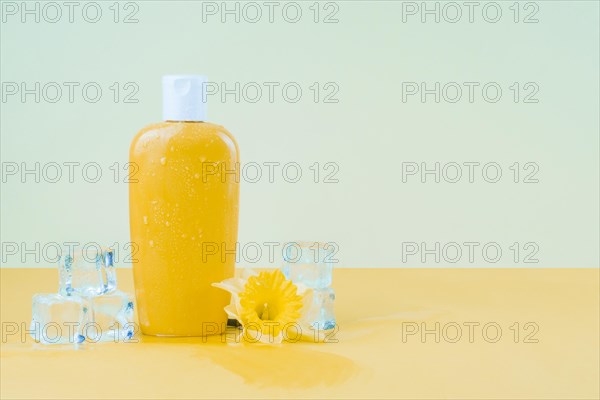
x,y
232,285
232,313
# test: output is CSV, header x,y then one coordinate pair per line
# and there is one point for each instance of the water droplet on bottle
x,y
145,220
167,223
163,160
151,243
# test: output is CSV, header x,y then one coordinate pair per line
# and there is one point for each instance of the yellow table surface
x,y
370,359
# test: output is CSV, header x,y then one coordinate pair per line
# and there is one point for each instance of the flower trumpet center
x,y
264,314
269,302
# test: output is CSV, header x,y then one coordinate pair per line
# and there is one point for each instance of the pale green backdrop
x,y
359,53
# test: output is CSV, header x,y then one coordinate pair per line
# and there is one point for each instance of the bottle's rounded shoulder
x,y
220,129
155,127
172,128
225,136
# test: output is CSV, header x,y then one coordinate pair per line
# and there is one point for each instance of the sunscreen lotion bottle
x,y
183,210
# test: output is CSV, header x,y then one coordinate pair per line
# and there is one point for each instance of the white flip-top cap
x,y
184,98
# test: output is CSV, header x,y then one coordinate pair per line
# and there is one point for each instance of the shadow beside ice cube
x,y
88,306
311,264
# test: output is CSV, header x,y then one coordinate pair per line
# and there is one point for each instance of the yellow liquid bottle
x,y
183,207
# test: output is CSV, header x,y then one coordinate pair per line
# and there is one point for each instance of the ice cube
x,y
309,263
111,317
58,319
86,272
321,314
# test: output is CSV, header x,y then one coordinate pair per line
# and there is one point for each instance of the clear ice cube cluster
x,y
88,307
311,264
